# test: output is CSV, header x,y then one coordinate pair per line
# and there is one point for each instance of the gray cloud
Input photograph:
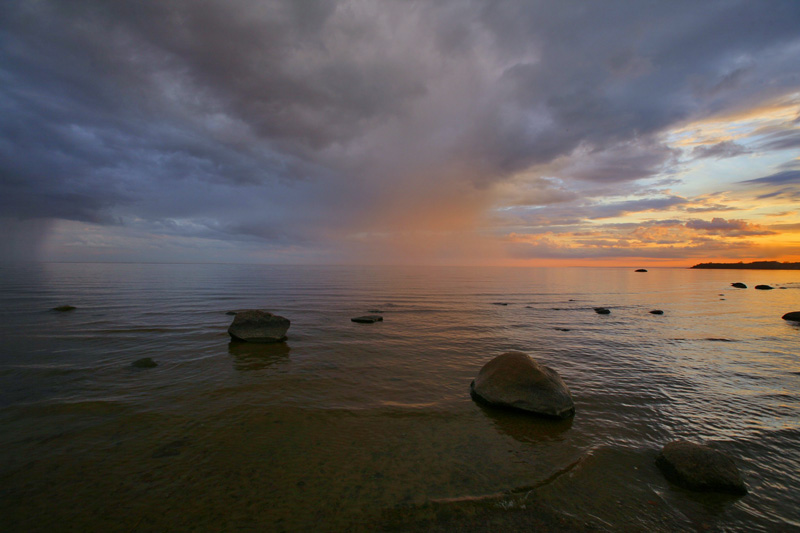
x,y
634,206
302,122
732,227
613,248
779,178
720,150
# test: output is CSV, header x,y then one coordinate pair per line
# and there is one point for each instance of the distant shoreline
x,y
756,265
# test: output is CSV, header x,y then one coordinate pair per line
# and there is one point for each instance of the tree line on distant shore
x,y
755,265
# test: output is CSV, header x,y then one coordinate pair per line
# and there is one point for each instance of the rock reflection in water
x,y
249,356
526,427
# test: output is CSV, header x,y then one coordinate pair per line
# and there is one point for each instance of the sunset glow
x,y
481,133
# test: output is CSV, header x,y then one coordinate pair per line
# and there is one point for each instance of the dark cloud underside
x,y
301,122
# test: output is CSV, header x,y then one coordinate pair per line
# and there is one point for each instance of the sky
x,y
455,132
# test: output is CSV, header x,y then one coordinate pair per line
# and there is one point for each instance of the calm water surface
x,y
365,427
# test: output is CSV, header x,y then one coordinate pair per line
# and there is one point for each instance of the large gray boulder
x,y
516,381
252,325
698,467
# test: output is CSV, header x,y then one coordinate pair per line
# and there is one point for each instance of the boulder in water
x,y
602,311
764,287
794,315
739,285
515,380
145,362
252,325
640,270
64,308
699,467
367,319
656,312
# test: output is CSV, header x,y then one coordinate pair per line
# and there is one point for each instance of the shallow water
x,y
365,426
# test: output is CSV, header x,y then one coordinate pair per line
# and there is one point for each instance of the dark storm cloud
x,y
296,121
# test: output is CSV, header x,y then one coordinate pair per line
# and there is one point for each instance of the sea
x,y
371,427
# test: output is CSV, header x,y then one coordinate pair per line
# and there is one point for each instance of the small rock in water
x,y
640,270
170,449
375,311
656,312
499,303
145,362
64,308
252,325
367,319
794,315
739,285
562,329
763,287
514,380
699,467
602,311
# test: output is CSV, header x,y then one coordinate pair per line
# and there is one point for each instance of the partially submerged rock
x,y
602,311
515,380
253,325
794,315
640,270
367,319
656,312
739,285
764,287
145,362
699,467
64,308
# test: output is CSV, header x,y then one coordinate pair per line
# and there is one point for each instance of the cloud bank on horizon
x,y
476,132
